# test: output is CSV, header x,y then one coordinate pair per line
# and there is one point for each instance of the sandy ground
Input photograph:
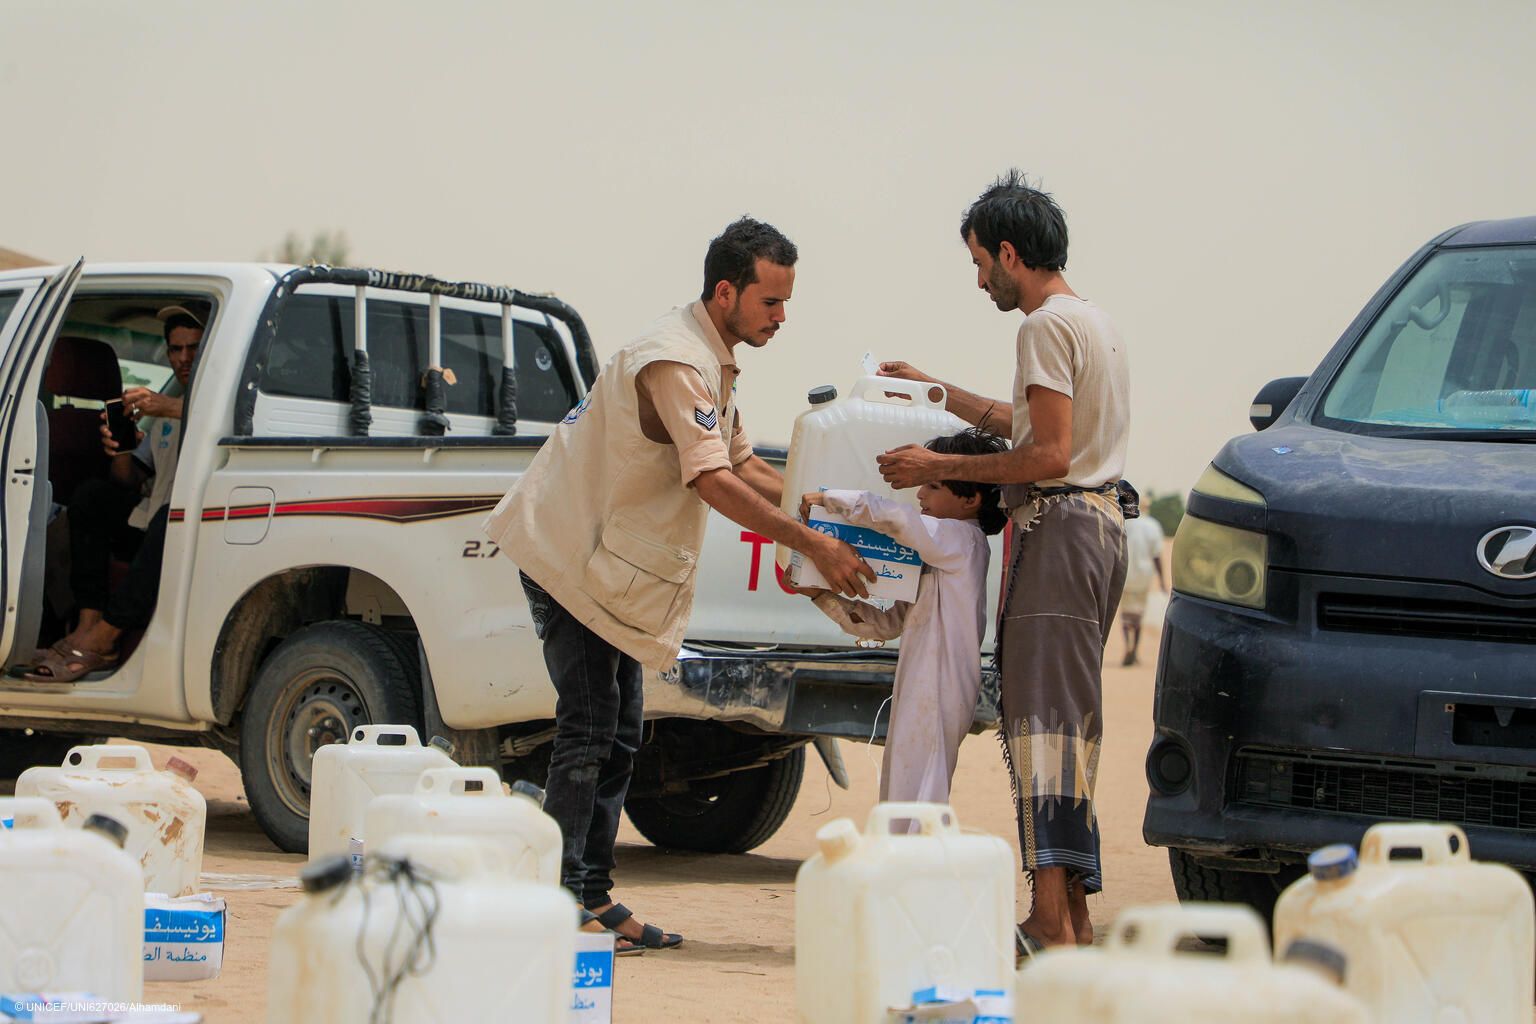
x,y
736,911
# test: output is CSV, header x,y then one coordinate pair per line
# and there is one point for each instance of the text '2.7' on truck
x,y
1352,636
345,434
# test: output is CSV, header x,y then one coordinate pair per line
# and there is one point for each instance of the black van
x,y
1352,636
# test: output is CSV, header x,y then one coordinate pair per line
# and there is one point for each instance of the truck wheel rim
x,y
324,708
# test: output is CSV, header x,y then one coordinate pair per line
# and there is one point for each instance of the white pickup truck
x,y
345,434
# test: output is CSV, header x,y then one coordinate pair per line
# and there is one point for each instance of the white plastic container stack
x,y
501,949
1431,936
71,907
834,443
345,777
165,814
471,802
879,916
1140,976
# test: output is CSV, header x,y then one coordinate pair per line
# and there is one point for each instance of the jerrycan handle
x,y
934,818
30,812
1434,844
1158,930
470,782
109,757
385,736
881,389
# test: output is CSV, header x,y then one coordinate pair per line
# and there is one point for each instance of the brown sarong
x,y
1066,569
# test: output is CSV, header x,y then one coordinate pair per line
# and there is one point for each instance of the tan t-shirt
x,y
1069,345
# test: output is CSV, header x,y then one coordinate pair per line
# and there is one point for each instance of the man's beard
x,y
1003,289
734,325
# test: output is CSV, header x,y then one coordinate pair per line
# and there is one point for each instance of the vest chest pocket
x,y
635,578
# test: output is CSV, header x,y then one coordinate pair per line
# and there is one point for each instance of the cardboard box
x,y
896,566
592,984
183,937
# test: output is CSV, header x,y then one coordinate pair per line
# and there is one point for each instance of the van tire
x,y
730,814
1198,882
330,677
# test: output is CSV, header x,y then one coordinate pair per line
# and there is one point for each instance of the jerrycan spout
x,y
837,839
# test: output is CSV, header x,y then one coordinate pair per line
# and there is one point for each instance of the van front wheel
x,y
729,814
313,689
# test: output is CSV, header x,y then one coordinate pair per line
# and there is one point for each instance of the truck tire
x,y
314,688
20,751
1197,882
729,814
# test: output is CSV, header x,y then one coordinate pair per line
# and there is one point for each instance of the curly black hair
x,y
1014,211
733,254
990,514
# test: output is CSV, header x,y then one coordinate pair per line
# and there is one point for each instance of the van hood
x,y
1362,505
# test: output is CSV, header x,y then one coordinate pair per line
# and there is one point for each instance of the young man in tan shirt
x,y
606,527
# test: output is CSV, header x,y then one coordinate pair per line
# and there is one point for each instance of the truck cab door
x,y
36,311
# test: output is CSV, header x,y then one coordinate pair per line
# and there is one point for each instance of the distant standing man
x,y
607,524
1143,565
1069,420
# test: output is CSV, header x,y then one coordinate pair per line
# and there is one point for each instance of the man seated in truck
x,y
124,515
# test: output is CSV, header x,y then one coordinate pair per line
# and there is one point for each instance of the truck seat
x,y
78,368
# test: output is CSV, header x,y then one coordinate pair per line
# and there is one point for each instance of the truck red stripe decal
x,y
394,510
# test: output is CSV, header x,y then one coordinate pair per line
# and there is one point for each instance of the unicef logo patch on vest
x,y
575,414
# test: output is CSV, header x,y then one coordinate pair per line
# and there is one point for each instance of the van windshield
x,y
1453,354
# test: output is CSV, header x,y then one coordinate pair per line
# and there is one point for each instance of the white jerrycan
x,y
1430,935
71,907
1140,976
345,777
500,948
880,916
471,802
165,814
834,443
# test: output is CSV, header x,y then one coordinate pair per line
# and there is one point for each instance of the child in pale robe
x,y
938,670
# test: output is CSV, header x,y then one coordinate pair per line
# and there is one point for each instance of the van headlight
x,y
1217,562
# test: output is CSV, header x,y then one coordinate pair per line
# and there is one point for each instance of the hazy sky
x,y
1238,178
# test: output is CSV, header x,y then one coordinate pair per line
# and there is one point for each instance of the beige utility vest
x,y
602,520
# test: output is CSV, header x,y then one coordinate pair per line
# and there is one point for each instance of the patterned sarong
x,y
1066,568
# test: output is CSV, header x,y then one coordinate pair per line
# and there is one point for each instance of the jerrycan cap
x,y
108,828
326,874
442,743
1332,863
182,768
1317,955
837,839
523,787
821,395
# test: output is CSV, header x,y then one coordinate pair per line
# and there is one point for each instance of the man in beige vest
x,y
607,524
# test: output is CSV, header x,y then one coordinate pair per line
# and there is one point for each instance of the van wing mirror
x,y
1272,399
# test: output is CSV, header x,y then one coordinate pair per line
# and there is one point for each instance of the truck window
x,y
311,355
1455,348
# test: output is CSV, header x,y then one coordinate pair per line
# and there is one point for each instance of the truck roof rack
x,y
434,421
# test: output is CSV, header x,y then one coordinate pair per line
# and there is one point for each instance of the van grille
x,y
1454,620
1400,791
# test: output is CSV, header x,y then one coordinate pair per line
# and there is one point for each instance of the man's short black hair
x,y
975,441
1012,210
176,320
733,254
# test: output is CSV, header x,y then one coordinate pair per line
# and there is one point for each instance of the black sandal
x,y
651,937
623,945
1025,946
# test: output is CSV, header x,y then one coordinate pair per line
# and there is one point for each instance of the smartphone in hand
x,y
123,431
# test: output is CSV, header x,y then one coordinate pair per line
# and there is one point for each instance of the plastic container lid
x,y
1333,862
529,790
182,768
821,395
1319,955
442,743
326,874
109,828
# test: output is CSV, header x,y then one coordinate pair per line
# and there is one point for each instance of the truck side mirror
x,y
1272,399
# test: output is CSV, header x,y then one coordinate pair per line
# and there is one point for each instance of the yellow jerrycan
x,y
1431,937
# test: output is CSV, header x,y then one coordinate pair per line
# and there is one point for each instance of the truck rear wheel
x,y
1197,882
729,814
313,689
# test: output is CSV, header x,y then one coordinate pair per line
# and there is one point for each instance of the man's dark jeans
x,y
598,724
99,530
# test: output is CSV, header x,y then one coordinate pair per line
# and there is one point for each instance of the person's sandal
x,y
651,937
70,665
623,945
1025,946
